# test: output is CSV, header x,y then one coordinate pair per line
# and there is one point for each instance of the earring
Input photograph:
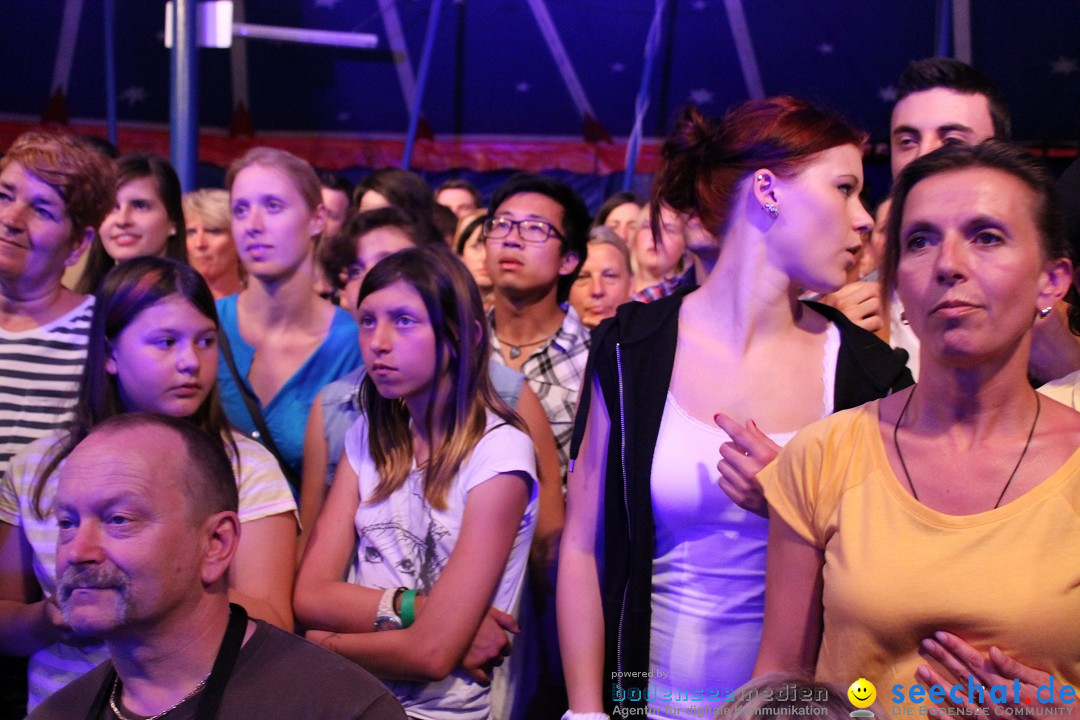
x,y
903,318
1045,311
772,209
760,177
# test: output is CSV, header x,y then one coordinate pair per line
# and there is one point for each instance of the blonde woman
x,y
209,241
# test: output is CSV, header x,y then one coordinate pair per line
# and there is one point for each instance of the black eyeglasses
x,y
530,231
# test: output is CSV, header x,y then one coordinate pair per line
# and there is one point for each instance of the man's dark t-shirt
x,y
277,675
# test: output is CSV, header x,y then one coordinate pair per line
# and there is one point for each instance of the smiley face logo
x,y
862,693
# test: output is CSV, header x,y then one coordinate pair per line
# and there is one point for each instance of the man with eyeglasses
x,y
535,242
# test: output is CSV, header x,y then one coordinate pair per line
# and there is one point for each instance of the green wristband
x,y
408,608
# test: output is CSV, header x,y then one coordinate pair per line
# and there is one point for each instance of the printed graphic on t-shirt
x,y
394,544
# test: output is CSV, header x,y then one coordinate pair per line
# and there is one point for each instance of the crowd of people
x,y
739,443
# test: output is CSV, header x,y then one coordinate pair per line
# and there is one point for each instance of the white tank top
x,y
709,570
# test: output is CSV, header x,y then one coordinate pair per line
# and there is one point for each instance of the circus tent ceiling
x,y
543,82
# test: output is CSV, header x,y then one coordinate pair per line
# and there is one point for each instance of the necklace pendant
x,y
515,352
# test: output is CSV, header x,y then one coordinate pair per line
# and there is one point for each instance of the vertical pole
x,y
184,110
110,69
421,82
944,28
459,72
641,104
961,26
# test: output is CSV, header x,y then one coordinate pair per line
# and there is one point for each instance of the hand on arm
x,y
580,613
791,636
440,638
490,645
749,451
336,609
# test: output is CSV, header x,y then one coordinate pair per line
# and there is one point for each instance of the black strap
x,y
97,707
214,691
212,694
255,411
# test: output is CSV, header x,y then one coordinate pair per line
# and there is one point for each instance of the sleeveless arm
x,y
579,610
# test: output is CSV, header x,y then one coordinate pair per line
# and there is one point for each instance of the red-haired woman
x,y
678,604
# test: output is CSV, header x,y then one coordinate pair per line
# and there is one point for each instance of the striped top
x,y
263,492
40,370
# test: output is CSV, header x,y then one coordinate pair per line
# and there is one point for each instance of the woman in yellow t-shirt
x,y
928,539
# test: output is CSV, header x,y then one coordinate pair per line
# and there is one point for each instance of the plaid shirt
x,y
555,372
667,287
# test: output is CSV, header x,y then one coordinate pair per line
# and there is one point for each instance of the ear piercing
x,y
1045,311
769,207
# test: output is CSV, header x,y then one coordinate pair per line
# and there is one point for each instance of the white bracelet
x,y
571,715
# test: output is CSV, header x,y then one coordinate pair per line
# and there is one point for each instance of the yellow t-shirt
x,y
896,571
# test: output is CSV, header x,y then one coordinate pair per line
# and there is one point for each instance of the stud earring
x,y
760,177
1045,311
903,318
772,209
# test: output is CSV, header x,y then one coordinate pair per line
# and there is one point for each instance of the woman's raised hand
x,y
749,451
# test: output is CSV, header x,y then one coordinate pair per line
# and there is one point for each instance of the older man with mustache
x,y
146,509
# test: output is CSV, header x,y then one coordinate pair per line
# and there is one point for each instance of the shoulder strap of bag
x,y
255,412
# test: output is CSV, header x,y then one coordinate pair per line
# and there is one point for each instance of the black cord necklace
x,y
515,350
907,475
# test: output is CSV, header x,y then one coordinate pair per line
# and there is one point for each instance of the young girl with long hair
x,y
152,348
438,499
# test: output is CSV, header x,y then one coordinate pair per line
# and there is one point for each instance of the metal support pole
x,y
961,24
641,104
110,69
421,82
184,108
303,35
944,29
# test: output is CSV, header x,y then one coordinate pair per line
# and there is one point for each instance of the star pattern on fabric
x,y
1064,65
701,96
133,95
888,93
826,48
329,4
523,87
699,4
343,116
617,67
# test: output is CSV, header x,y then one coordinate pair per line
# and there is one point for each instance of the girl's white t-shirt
x,y
404,542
